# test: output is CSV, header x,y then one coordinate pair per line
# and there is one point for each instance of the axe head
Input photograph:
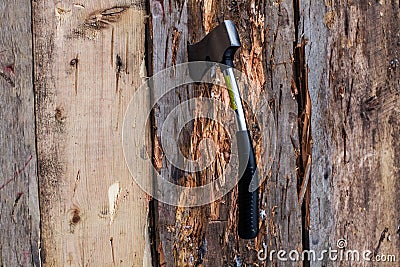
x,y
219,46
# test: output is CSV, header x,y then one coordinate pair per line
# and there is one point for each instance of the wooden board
x,y
19,204
266,58
330,72
352,56
88,60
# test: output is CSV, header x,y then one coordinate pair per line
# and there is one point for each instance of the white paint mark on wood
x,y
143,71
113,194
147,249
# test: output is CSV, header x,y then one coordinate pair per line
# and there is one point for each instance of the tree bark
x,y
330,70
266,57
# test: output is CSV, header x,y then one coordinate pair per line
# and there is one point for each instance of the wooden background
x,y
68,70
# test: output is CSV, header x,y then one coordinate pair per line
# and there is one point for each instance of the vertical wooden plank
x,y
180,229
349,49
19,205
282,227
322,204
266,57
354,87
88,57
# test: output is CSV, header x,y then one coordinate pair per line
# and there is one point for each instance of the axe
x,y
219,46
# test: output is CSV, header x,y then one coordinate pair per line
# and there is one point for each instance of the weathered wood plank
x,y
168,33
354,87
267,33
19,204
87,66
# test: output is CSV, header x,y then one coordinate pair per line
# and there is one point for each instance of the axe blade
x,y
217,46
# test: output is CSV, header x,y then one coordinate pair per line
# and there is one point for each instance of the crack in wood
x,y
112,46
118,90
102,19
118,72
127,54
17,199
7,78
175,45
112,250
381,239
303,162
74,63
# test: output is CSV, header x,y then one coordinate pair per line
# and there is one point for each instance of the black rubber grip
x,y
248,201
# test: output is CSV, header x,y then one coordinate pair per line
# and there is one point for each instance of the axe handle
x,y
248,195
248,199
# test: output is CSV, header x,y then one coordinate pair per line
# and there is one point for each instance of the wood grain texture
x,y
354,84
266,57
178,236
88,59
19,204
328,69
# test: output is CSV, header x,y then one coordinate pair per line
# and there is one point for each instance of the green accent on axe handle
x,y
230,92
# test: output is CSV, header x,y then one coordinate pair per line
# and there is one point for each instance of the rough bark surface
x,y
353,58
329,71
19,204
208,235
87,66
